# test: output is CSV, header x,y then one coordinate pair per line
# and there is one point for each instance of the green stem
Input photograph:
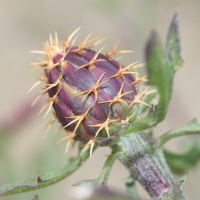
x,y
103,177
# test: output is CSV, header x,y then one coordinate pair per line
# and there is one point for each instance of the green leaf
x,y
86,183
46,178
141,124
159,75
101,181
182,181
192,128
182,163
103,177
162,66
137,126
173,48
130,188
150,99
161,69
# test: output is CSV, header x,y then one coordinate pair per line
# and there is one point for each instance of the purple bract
x,y
89,91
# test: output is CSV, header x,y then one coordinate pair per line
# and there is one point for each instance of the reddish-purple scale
x,y
75,81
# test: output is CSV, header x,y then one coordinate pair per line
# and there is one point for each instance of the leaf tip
x,y
175,20
151,41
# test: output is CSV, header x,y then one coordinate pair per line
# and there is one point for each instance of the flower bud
x,y
88,91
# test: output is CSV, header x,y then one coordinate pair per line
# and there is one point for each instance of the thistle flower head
x,y
88,91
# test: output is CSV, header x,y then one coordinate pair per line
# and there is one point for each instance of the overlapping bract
x,y
88,90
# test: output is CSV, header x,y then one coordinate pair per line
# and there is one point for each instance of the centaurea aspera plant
x,y
99,102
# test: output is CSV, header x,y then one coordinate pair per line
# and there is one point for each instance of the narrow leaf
x,y
183,180
173,47
103,177
162,66
150,99
143,123
182,163
138,125
46,178
130,188
192,128
101,181
160,75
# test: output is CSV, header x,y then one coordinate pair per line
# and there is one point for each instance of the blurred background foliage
x,y
26,24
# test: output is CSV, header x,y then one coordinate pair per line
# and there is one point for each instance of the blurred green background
x,y
26,24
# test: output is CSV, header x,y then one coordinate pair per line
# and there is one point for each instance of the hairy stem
x,y
146,163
